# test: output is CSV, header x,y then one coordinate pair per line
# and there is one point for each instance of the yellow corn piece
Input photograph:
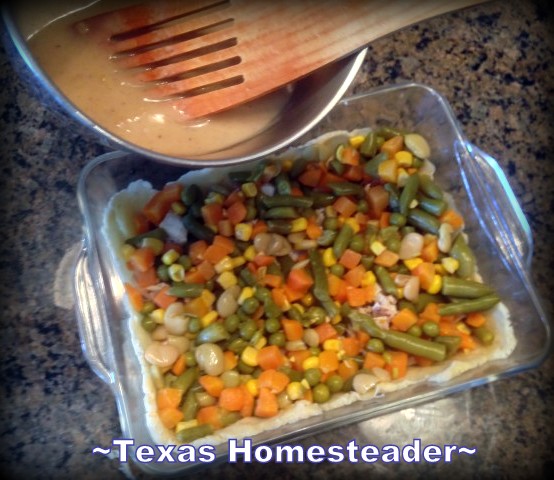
x,y
170,257
413,263
127,251
333,344
436,284
377,247
356,140
250,356
295,391
403,176
224,265
246,292
414,203
243,231
176,272
368,279
307,300
187,424
354,224
208,297
404,158
209,318
310,362
227,280
238,261
261,343
328,257
305,384
336,319
250,253
299,225
388,170
439,269
462,327
155,244
158,315
252,387
450,264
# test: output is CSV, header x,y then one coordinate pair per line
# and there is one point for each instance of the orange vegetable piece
x,y
227,244
384,220
266,404
348,368
135,297
206,269
168,397
179,366
345,206
350,259
237,212
475,319
363,337
247,409
212,213
299,280
423,362
213,385
214,253
311,176
194,275
141,223
350,155
430,252
356,297
270,357
292,294
196,251
142,259
196,306
387,258
274,380
325,331
162,299
313,231
230,360
280,298
337,287
170,416
328,361
146,279
234,196
404,319
211,415
225,228
453,218
351,346
398,365
298,357
263,260
355,276
425,271
353,173
232,399
259,226
157,207
430,313
293,329
272,280
373,359
393,145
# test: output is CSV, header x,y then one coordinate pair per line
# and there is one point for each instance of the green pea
x,y
415,330
232,323
148,323
337,269
250,305
163,273
272,325
335,383
331,223
363,206
397,219
321,393
248,329
194,325
244,368
357,243
314,351
237,345
315,315
431,329
262,294
312,376
367,261
185,261
190,359
393,244
278,339
148,307
375,345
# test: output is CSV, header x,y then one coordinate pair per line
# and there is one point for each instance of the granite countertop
x,y
493,63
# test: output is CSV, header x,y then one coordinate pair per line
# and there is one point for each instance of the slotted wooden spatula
x,y
210,55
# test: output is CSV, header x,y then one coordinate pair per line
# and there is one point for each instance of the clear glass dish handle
x,y
95,340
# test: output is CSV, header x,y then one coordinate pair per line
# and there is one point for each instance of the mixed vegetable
x,y
298,280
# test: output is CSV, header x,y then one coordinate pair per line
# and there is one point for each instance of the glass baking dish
x,y
494,223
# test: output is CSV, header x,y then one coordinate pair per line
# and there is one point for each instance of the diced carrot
x,y
453,218
141,223
387,258
247,409
142,259
274,380
351,346
349,155
398,365
146,279
214,253
212,213
468,342
170,416
475,319
350,259
363,337
270,357
230,360
272,280
404,319
353,173
348,368
423,361
162,299
234,196
135,297
355,276
157,207
232,399
328,361
194,276
430,252
325,331
373,359
196,251
266,404
448,329
225,228
337,287
393,145
212,384
259,226
313,231
356,297
168,397
345,206
308,396
210,415
297,358
311,176
228,244
207,270
369,293
264,260
292,294
280,298
197,307
299,280
430,313
237,212
378,199
179,366
425,272
384,220
293,329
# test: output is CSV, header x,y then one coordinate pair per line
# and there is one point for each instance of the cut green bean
x,y
191,194
190,406
193,433
342,240
239,177
368,148
321,199
136,241
346,188
484,334
282,184
425,299
287,213
186,379
283,227
424,221
385,280
286,201
433,206
468,306
372,166
186,290
459,287
197,229
430,188
408,193
327,238
452,343
213,333
465,256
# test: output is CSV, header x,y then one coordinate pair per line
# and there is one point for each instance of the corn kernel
x,y
404,158
354,224
387,170
299,225
155,244
399,293
208,297
261,343
249,189
246,292
310,362
299,308
176,272
403,176
450,264
127,251
170,257
224,265
377,247
243,231
356,140
414,203
413,263
250,356
330,212
227,280
462,327
368,279
439,269
336,319
209,318
179,208
250,253
333,344
158,315
436,285
307,300
329,258
238,261
295,391
252,387
305,384
187,424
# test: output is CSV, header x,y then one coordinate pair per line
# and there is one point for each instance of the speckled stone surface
x,y
494,64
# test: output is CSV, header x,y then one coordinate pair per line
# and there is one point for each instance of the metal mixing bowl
x,y
313,97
